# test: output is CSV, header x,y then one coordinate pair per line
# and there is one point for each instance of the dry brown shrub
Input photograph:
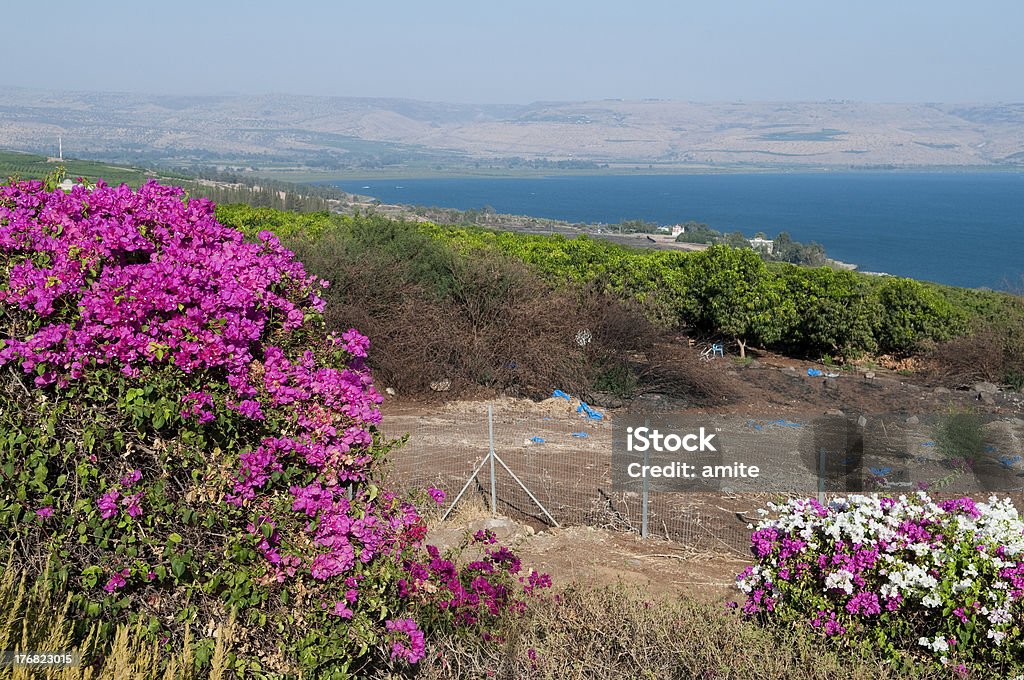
x,y
678,372
618,326
483,321
658,361
518,334
499,326
898,363
989,354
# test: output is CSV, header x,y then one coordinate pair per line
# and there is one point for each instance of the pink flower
x,y
865,603
342,610
117,580
356,343
45,512
108,504
197,405
436,494
415,649
131,504
828,625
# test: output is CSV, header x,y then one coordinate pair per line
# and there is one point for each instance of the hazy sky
x,y
525,50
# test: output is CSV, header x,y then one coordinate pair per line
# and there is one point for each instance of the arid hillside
x,y
334,133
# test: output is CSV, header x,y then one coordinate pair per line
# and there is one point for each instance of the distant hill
x,y
222,188
278,132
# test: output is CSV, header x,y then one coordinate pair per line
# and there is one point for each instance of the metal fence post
x,y
643,494
821,476
490,437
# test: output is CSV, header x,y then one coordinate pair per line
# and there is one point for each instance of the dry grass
x,y
32,620
472,507
584,633
623,633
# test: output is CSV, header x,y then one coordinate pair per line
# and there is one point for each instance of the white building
x,y
765,244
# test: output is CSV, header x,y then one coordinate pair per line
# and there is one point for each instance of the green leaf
x,y
90,576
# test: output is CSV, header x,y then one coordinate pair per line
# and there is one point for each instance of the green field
x,y
824,135
29,166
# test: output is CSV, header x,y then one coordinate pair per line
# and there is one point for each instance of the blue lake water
x,y
963,229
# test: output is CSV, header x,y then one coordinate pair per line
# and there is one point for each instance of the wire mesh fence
x,y
563,458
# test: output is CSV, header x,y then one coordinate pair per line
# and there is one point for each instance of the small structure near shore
x,y
761,243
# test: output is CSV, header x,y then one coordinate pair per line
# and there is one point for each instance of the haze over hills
x,y
344,134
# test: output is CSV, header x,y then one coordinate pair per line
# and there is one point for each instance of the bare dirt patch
x,y
598,556
563,458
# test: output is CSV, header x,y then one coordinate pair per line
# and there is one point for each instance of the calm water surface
x,y
963,229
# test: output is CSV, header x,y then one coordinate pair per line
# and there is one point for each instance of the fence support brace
x,y
491,457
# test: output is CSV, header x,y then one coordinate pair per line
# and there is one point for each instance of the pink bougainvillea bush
x,y
937,580
181,438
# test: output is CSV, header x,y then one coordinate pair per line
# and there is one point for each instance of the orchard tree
x,y
913,312
836,312
732,291
736,240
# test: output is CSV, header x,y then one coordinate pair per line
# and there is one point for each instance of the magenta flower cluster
x,y
479,592
410,644
131,503
940,578
108,278
116,581
128,278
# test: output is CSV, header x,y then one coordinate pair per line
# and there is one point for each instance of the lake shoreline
x,y
959,229
331,177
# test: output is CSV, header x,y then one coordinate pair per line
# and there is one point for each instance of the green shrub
x,y
912,313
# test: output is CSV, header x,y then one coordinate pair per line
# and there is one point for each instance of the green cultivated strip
x,y
28,166
258,192
802,311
